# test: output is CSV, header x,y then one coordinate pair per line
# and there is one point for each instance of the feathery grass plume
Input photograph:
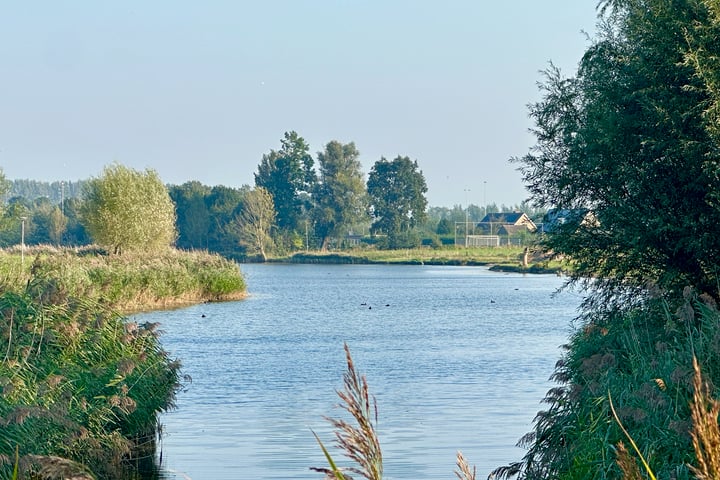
x,y
705,432
632,442
627,464
359,442
463,472
49,467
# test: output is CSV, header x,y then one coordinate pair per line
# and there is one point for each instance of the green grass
x,y
642,359
129,282
80,386
77,383
507,258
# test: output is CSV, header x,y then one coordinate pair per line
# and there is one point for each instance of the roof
x,y
512,218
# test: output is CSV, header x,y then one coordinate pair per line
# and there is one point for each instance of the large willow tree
x,y
127,210
630,144
633,138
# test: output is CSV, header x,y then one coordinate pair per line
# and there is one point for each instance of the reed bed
x,y
81,387
129,282
638,363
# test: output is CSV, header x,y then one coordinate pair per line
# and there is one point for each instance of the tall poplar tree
x,y
289,177
340,195
397,199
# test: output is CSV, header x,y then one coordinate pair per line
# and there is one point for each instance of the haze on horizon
x,y
201,90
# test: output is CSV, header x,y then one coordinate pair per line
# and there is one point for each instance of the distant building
x,y
505,228
512,223
555,217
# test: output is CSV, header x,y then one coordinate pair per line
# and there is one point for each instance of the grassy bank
x,y
129,282
500,258
642,359
80,386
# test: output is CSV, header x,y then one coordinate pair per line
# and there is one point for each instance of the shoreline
x,y
413,257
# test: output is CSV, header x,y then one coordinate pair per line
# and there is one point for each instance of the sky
x,y
200,90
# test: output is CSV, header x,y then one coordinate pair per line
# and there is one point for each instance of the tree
x,y
632,138
444,227
48,222
340,196
397,199
75,233
223,204
193,216
253,223
127,210
288,176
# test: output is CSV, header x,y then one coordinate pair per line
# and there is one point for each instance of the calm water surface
x,y
457,357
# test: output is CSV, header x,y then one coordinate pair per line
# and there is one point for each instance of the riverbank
x,y
81,387
506,259
126,283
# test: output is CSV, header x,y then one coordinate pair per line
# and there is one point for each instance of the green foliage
x,y
445,226
633,138
397,198
76,382
133,281
193,215
340,196
254,221
127,210
643,360
287,174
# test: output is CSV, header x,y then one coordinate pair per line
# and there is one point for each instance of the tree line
x,y
297,202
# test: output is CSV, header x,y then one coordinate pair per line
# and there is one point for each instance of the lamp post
x,y
467,211
22,240
484,200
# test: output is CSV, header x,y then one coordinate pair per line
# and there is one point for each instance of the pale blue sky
x,y
200,90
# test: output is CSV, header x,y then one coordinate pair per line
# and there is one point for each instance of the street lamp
x,y
467,211
22,241
484,200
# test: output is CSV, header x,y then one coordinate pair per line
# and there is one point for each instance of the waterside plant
x,y
81,387
358,440
642,359
129,282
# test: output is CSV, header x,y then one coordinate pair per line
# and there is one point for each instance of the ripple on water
x,y
450,370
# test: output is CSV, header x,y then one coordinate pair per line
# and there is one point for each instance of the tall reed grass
x,y
129,282
358,438
80,386
642,358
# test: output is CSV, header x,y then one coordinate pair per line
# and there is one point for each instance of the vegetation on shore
x,y
130,282
80,386
509,258
628,146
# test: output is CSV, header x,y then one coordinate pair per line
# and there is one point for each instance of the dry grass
x,y
705,432
359,441
627,464
464,472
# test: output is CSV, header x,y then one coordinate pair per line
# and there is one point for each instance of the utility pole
x,y
467,211
22,241
484,198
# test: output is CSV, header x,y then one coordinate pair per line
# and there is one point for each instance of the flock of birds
x,y
365,304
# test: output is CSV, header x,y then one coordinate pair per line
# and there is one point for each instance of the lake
x,y
458,358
